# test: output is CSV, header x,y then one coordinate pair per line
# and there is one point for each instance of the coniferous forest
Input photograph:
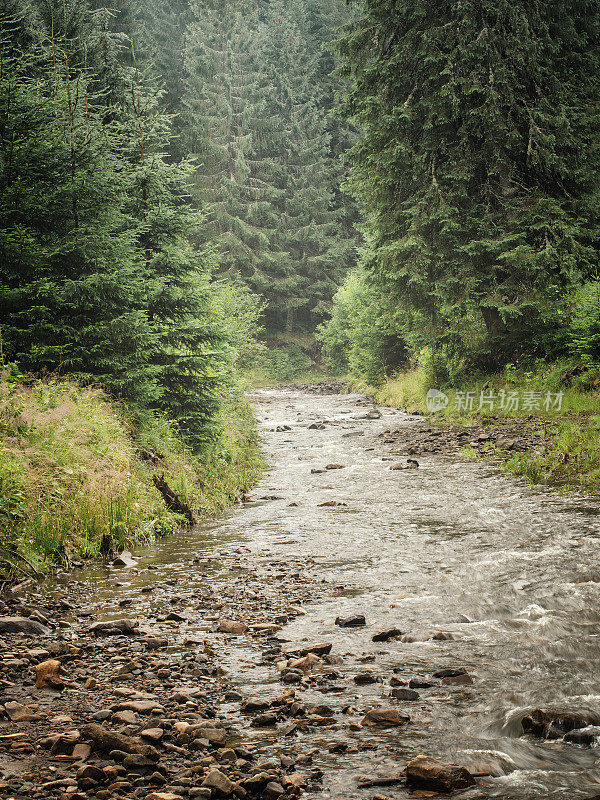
x,y
299,399
205,193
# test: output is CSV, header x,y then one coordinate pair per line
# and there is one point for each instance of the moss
x,y
76,471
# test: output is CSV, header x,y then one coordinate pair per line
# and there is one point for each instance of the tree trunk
x,y
493,320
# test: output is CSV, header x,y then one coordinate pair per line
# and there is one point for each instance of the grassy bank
x,y
76,472
569,454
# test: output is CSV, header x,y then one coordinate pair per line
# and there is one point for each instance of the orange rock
x,y
232,626
47,674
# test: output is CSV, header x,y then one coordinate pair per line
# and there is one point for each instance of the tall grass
x,y
569,454
76,472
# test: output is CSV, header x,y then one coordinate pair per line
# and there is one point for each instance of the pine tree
x,y
478,168
103,268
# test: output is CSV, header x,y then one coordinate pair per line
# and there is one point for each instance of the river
x,y
479,571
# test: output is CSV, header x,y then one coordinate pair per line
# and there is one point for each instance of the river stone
x,y
457,680
585,736
384,718
232,626
385,636
364,679
254,706
115,627
404,694
48,674
264,720
106,740
272,790
22,625
357,621
218,781
163,796
124,559
89,775
432,775
320,649
552,724
17,712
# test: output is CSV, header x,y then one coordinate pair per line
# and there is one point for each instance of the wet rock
x,y
22,625
386,636
125,718
404,694
265,720
106,740
89,775
364,679
115,627
306,663
334,466
17,712
432,775
411,463
124,559
457,680
254,706
384,718
81,752
156,643
48,674
320,649
316,426
163,796
551,724
232,626
272,791
356,621
218,781
139,706
331,504
586,736
420,683
449,673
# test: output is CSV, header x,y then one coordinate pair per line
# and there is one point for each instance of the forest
x,y
299,399
205,194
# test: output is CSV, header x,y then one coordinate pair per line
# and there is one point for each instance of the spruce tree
x,y
103,269
478,168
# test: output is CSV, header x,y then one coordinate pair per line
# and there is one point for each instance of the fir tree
x,y
478,167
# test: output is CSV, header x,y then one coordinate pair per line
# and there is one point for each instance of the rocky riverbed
x,y
362,626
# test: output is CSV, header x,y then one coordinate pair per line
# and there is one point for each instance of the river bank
x,y
347,619
77,473
529,423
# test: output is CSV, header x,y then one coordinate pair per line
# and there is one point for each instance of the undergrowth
x,y
76,472
570,451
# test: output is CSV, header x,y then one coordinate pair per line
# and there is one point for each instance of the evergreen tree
x,y
266,163
478,167
99,275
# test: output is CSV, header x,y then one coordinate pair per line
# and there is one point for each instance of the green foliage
x,y
585,324
286,364
104,270
363,334
76,474
259,101
478,168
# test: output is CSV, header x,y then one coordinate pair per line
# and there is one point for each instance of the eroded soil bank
x,y
233,659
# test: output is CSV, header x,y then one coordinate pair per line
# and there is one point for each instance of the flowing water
x,y
454,547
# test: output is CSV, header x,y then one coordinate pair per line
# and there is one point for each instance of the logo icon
x,y
436,400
